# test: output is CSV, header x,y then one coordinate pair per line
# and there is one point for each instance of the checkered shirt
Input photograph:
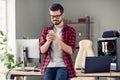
x,y
68,37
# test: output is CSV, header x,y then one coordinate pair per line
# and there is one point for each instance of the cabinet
x,y
83,28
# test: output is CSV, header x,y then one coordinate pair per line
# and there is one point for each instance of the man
x,y
57,44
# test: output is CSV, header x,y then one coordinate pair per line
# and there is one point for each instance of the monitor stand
x,y
24,56
24,60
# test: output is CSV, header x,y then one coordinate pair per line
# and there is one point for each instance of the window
x,y
3,15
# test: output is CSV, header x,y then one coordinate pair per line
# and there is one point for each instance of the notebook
x,y
97,64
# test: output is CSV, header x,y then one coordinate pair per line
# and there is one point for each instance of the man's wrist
x,y
48,42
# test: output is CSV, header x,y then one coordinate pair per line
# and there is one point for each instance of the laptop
x,y
97,64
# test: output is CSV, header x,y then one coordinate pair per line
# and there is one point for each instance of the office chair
x,y
85,49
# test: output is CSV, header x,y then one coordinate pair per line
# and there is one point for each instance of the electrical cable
x,y
12,69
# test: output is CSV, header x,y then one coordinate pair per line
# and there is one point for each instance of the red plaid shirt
x,y
68,37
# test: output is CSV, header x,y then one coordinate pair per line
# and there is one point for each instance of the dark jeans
x,y
57,73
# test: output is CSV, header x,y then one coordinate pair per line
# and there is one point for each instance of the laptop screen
x,y
97,64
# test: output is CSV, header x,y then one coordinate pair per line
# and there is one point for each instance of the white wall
x,y
29,18
104,13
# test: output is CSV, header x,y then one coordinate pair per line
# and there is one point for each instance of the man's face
x,y
56,17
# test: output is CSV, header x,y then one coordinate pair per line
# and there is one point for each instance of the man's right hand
x,y
44,48
50,37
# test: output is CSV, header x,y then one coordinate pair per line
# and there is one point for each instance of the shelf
x,y
78,22
85,35
85,20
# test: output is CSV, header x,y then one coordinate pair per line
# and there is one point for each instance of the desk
x,y
14,73
80,74
23,73
97,75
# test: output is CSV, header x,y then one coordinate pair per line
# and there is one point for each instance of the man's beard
x,y
57,22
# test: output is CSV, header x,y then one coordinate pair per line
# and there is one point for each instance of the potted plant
x,y
6,56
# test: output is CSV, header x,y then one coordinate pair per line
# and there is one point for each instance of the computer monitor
x,y
27,51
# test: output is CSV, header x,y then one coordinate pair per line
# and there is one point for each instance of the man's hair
x,y
57,6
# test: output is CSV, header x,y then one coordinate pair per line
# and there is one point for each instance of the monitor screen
x,y
27,50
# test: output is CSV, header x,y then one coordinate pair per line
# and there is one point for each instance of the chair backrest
x,y
85,49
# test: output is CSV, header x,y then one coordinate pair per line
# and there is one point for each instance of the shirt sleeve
x,y
72,39
43,36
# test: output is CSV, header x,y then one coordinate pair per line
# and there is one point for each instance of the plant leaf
x,y
1,43
25,37
9,66
5,39
1,33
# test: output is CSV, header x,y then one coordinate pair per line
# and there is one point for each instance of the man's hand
x,y
50,37
44,48
56,39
